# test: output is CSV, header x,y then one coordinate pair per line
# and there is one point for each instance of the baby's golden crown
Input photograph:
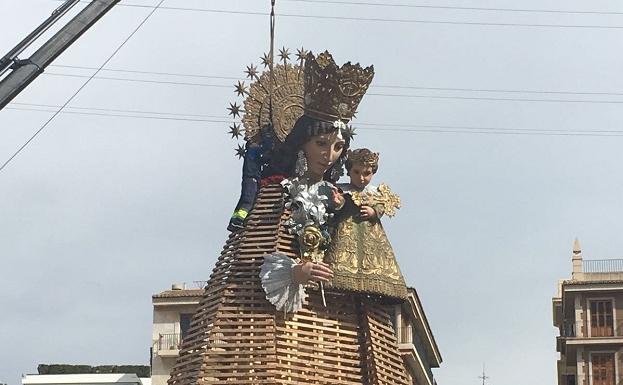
x,y
363,156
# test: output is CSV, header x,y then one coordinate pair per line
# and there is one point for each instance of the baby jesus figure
x,y
360,254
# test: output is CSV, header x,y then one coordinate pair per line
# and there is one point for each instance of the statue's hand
x,y
337,198
367,212
311,271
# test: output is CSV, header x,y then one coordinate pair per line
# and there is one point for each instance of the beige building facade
x,y
416,341
588,312
173,309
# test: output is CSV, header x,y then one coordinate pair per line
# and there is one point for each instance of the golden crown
x,y
333,92
364,156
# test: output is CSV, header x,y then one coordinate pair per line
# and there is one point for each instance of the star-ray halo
x,y
255,111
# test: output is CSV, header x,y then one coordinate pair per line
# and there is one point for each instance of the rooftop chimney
x,y
576,260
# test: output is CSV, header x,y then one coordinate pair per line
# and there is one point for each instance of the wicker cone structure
x,y
237,337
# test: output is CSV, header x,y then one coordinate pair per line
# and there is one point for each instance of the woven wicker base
x,y
237,337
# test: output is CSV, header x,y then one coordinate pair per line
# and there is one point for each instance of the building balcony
x,y
578,332
569,328
168,345
410,345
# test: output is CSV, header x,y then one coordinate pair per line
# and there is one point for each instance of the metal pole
x,y
7,60
21,77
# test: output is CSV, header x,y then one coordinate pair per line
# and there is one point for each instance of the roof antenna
x,y
484,376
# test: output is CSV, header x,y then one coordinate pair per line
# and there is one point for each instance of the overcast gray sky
x,y
99,211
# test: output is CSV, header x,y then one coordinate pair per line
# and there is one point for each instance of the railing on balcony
x,y
602,265
170,341
570,329
405,335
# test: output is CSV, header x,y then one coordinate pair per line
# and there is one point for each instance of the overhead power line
x,y
395,127
396,5
451,97
81,87
121,110
141,80
449,7
384,20
441,22
179,119
498,99
150,72
465,89
499,90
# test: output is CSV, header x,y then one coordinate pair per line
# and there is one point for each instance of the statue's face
x,y
360,175
322,151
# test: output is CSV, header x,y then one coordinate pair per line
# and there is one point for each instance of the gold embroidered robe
x,y
361,256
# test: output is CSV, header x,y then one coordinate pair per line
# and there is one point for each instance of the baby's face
x,y
360,175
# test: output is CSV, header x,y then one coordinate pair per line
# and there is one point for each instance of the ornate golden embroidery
x,y
379,257
361,256
342,253
384,196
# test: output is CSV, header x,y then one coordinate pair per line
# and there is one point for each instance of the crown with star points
x,y
279,95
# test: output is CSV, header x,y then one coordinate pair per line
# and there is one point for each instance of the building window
x,y
603,368
185,324
570,379
601,318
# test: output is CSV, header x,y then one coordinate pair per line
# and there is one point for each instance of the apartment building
x,y
416,342
588,312
173,310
